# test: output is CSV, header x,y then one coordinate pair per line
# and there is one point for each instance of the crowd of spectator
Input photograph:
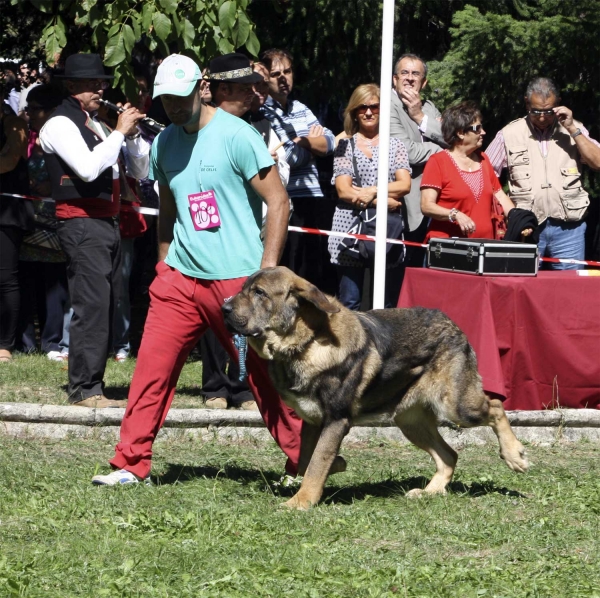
x,y
72,246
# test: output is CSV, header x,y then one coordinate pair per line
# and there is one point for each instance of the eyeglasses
x,y
374,108
541,112
474,128
413,73
277,74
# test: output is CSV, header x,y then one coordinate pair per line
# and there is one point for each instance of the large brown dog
x,y
338,368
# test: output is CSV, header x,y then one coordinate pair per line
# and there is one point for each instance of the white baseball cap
x,y
176,75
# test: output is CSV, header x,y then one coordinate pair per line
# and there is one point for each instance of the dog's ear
x,y
311,293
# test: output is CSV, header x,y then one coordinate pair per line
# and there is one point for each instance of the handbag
x,y
365,223
498,219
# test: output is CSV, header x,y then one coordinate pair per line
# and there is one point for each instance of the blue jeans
x,y
565,240
351,282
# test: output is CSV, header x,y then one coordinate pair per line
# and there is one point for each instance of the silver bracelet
x,y
132,137
452,214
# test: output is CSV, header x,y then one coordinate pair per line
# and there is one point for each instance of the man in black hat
x,y
82,157
232,83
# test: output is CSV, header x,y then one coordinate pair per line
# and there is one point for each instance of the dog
x,y
339,368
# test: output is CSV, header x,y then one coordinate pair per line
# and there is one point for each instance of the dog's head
x,y
271,302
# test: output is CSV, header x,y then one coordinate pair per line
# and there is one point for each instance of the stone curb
x,y
209,418
31,421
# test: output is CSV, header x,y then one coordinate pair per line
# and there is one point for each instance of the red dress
x,y
442,173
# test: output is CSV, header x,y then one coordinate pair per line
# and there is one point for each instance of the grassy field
x,y
36,379
211,525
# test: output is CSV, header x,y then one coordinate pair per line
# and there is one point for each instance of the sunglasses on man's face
x,y
474,128
374,108
542,112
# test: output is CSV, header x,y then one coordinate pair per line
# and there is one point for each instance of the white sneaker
x,y
121,356
57,356
119,477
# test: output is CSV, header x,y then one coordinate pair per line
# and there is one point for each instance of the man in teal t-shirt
x,y
213,172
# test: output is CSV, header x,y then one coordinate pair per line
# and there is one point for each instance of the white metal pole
x,y
387,50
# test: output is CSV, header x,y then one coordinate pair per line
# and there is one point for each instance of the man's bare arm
x,y
315,142
268,185
588,150
166,220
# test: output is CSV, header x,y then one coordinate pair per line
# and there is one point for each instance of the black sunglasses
x,y
474,128
374,108
542,112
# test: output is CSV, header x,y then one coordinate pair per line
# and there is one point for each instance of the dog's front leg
x,y
309,438
320,463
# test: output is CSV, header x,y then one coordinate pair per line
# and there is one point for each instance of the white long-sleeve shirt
x,y
61,136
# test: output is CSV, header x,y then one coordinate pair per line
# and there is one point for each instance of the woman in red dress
x,y
458,183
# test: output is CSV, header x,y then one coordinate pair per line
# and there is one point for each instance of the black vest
x,y
66,184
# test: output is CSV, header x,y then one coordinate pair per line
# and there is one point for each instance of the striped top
x,y
295,121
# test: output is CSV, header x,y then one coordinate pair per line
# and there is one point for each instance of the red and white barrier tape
x,y
317,231
124,206
329,233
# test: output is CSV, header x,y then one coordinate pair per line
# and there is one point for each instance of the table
x,y
537,339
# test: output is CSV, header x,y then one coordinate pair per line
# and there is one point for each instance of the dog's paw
x,y
297,503
515,458
339,465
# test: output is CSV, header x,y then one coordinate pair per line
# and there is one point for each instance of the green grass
x,y
212,526
36,379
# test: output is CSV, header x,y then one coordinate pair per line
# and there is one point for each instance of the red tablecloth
x,y
537,339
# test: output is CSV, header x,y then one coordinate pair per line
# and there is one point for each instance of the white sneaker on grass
x,y
119,477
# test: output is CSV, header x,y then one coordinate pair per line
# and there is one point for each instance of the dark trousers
x,y
10,242
307,254
43,291
93,250
217,380
415,256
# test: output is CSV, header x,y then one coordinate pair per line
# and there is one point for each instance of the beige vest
x,y
550,187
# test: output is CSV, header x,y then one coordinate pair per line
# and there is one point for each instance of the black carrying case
x,y
483,256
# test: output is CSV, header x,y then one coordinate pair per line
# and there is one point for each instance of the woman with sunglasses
x,y
458,183
355,166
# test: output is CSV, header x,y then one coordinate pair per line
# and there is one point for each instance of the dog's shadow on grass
x,y
391,488
340,495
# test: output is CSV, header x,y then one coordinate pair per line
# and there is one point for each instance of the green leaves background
x,y
198,28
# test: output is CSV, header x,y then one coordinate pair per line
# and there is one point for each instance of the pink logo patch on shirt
x,y
204,210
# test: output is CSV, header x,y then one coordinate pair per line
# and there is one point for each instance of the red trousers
x,y
181,309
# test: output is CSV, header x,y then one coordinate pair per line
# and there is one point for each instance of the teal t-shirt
x,y
222,157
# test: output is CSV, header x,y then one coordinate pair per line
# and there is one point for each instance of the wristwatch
x,y
576,133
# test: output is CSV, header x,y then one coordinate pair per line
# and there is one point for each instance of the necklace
x,y
367,140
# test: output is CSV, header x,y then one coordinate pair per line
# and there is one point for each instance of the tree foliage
x,y
199,28
493,56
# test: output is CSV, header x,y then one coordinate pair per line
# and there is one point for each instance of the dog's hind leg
x,y
419,425
310,437
511,450
321,462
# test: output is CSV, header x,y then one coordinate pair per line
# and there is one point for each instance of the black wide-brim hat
x,y
232,68
84,66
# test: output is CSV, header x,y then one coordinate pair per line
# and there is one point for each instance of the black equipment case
x,y
483,256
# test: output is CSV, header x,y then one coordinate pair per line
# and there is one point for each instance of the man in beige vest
x,y
543,152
